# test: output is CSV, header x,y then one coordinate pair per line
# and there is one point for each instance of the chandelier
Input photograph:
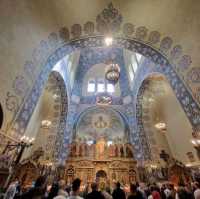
x,y
112,72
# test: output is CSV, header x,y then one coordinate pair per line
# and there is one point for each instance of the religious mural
x,y
99,123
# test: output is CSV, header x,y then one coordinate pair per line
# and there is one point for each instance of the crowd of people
x,y
59,190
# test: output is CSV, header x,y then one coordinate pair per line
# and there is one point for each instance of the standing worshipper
x,y
154,193
38,191
118,193
135,194
105,192
75,189
53,191
197,190
61,191
95,194
12,190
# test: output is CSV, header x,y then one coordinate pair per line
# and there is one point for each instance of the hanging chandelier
x,y
112,72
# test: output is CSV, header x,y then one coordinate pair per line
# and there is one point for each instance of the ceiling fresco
x,y
100,122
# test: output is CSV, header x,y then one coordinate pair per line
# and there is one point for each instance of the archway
x,y
156,105
48,120
165,58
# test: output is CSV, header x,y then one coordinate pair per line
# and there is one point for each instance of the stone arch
x,y
62,103
139,113
184,96
169,61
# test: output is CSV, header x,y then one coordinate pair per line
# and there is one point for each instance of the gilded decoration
x,y
101,162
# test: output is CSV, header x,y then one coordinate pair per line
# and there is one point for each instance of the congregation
x,y
59,190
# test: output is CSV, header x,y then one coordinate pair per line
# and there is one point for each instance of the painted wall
x,y
179,130
97,72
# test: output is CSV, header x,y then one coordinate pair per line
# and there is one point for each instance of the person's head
x,y
62,184
196,185
76,185
118,185
40,181
133,188
54,190
152,188
94,186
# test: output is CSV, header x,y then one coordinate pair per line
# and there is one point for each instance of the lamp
x,y
108,41
196,142
112,72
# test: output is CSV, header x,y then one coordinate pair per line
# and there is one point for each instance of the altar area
x,y
103,161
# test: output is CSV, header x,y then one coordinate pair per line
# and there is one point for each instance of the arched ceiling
x,y
25,52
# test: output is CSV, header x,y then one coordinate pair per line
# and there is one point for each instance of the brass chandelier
x,y
112,72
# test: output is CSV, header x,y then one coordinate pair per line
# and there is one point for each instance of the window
x,y
134,63
91,86
110,88
131,73
138,57
101,86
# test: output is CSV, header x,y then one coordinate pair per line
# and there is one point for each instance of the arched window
x,y
135,60
91,86
101,86
110,88
1,116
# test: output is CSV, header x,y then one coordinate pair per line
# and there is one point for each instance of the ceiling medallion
x,y
112,72
103,100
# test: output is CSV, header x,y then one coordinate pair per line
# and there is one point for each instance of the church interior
x,y
105,91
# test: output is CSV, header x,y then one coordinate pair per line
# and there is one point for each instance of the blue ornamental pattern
x,y
92,56
163,66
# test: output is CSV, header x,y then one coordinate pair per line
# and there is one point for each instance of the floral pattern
x,y
185,62
166,44
109,20
20,85
76,30
128,29
141,33
176,52
154,37
64,33
12,102
194,75
89,28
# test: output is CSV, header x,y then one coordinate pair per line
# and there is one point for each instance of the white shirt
x,y
197,194
74,197
60,197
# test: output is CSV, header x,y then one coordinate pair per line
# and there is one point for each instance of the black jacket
x,y
118,194
95,195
